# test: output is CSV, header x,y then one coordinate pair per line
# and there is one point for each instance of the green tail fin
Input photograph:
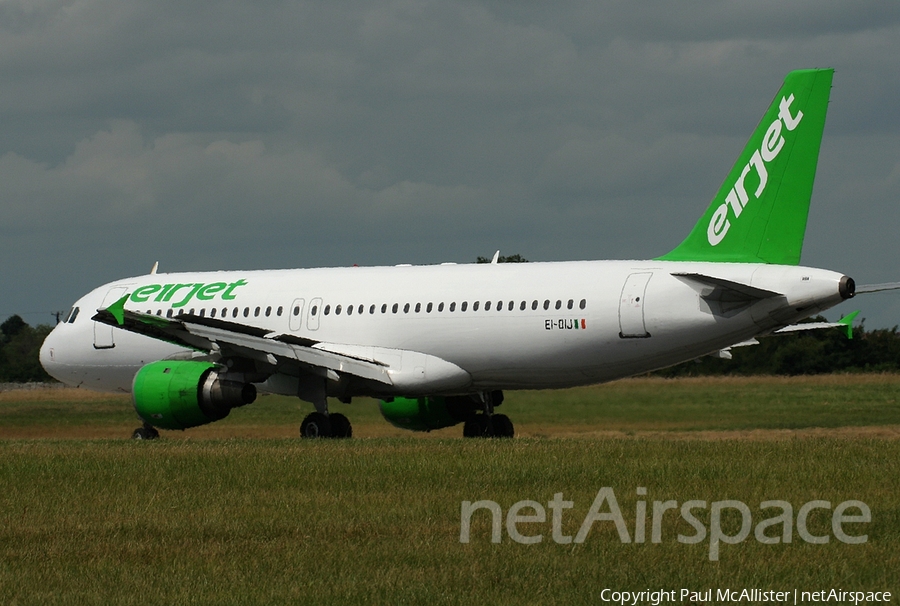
x,y
759,214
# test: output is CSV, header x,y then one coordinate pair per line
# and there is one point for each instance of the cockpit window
x,y
72,315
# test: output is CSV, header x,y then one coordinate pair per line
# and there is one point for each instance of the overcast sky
x,y
245,135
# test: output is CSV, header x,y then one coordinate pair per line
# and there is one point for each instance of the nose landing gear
x,y
145,432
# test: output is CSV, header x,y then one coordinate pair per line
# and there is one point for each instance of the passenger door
x,y
631,307
103,333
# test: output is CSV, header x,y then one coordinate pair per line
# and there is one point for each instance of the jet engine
x,y
181,394
427,413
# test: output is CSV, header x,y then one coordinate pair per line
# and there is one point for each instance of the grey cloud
x,y
273,134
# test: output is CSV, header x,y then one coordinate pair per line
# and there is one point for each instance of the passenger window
x,y
349,310
418,307
337,310
546,303
428,308
534,305
360,310
475,306
559,305
256,313
582,304
512,305
203,313
570,304
441,306
235,312
169,313
327,310
394,308
453,306
268,311
487,306
464,305
312,312
384,308
278,313
212,312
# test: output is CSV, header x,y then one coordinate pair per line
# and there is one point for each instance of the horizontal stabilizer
x,y
744,291
877,287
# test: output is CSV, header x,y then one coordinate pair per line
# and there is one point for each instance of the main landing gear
x,y
488,424
145,432
324,425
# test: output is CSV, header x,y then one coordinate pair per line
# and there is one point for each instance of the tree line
x,y
803,353
20,347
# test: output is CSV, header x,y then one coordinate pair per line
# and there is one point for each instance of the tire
x,y
141,433
503,427
315,425
340,426
478,426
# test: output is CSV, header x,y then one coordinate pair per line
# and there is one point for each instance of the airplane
x,y
438,345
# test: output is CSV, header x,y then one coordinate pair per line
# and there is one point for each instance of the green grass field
x,y
243,512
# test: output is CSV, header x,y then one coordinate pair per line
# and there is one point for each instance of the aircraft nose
x,y
49,356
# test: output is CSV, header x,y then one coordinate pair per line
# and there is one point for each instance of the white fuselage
x,y
455,328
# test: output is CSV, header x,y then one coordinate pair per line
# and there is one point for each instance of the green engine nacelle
x,y
420,414
182,394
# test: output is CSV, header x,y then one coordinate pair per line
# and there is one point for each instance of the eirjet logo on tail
x,y
737,198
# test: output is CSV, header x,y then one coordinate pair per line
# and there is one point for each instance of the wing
x,y
845,323
221,337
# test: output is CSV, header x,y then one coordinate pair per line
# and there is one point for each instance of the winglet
x,y
117,309
847,321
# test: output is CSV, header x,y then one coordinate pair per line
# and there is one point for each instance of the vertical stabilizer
x,y
760,212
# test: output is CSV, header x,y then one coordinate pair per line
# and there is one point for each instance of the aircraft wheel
x,y
340,426
478,426
315,425
147,432
503,427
